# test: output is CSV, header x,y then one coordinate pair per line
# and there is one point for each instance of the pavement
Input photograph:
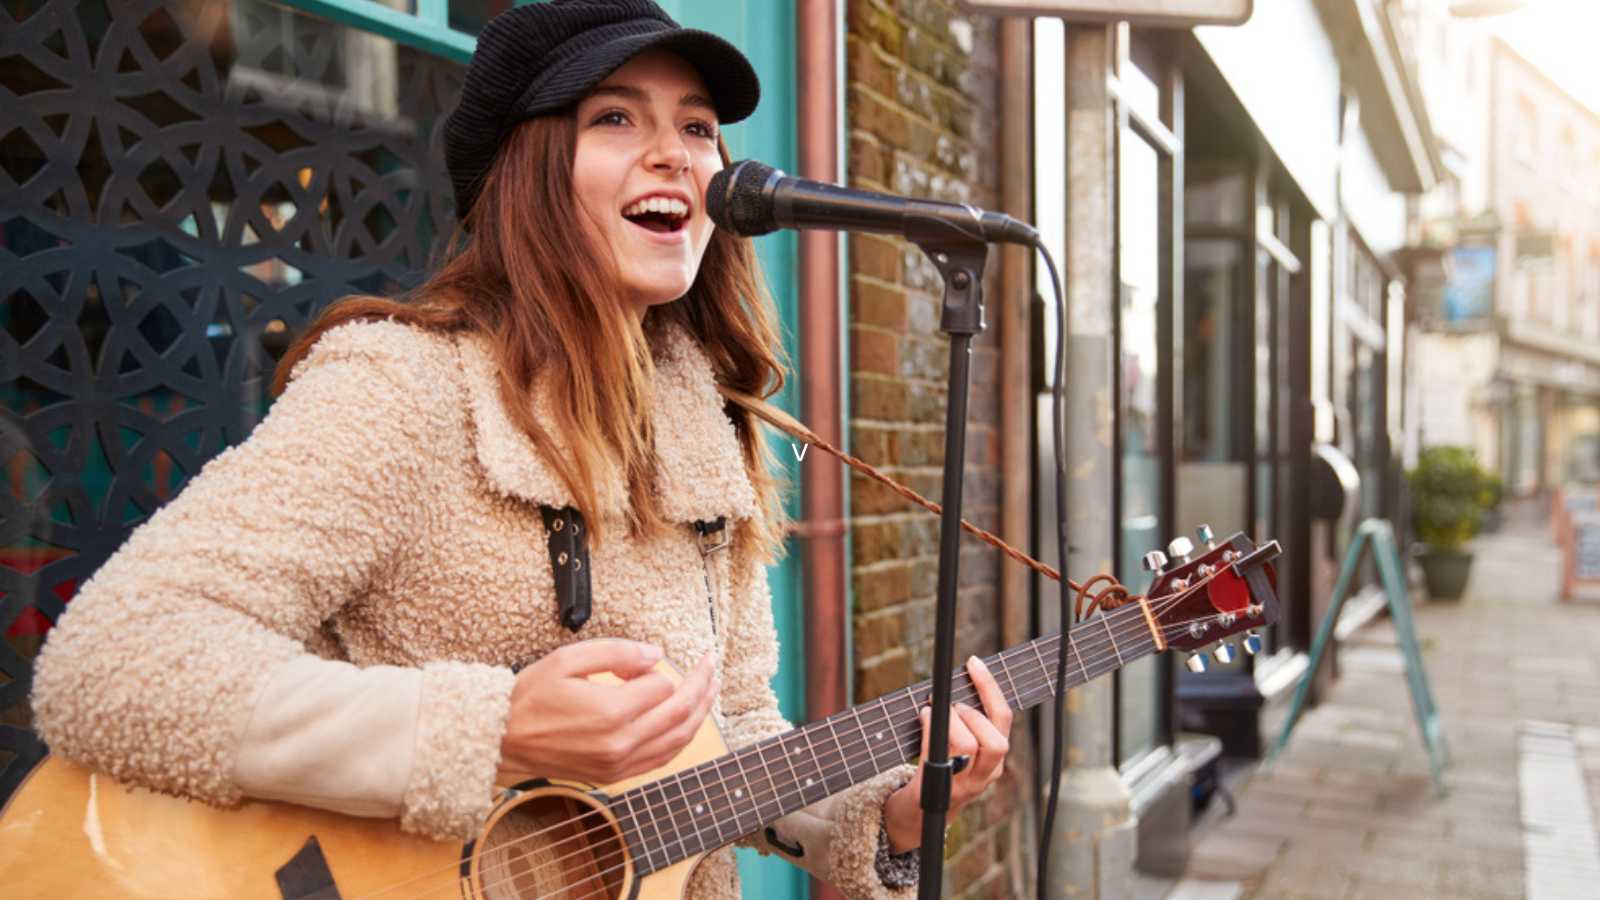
x,y
1349,810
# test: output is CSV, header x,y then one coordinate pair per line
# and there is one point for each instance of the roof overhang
x,y
1392,112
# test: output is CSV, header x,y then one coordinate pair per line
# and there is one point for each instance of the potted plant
x,y
1449,493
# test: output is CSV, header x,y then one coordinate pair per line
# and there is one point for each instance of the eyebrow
x,y
638,95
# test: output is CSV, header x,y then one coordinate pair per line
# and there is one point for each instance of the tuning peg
x,y
1179,548
1196,662
1155,561
1251,643
1206,537
1224,653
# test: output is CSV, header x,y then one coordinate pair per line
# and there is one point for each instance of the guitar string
x,y
602,890
857,737
1135,626
828,761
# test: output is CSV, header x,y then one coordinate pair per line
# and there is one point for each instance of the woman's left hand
x,y
983,739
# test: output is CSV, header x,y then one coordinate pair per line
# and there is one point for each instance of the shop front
x,y
1257,326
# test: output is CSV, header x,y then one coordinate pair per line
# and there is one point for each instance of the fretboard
x,y
719,802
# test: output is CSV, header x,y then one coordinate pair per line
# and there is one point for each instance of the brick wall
x,y
922,112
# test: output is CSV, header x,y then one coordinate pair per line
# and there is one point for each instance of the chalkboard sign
x,y
1586,546
1378,536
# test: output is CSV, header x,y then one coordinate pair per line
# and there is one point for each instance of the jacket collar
x,y
701,473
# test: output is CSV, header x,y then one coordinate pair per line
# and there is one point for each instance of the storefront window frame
x,y
427,29
1158,122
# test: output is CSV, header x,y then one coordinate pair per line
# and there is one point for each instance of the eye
x,y
702,129
611,117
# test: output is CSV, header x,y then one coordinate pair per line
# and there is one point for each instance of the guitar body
x,y
69,832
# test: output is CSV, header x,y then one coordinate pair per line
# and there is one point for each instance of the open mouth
x,y
659,214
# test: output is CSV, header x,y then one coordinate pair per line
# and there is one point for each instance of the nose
x,y
668,152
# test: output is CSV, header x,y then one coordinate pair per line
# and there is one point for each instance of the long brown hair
x,y
524,274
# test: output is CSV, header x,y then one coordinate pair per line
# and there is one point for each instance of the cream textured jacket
x,y
328,613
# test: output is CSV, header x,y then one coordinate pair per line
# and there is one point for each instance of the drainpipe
x,y
1013,314
821,529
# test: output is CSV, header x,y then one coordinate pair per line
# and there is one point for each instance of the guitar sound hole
x,y
552,844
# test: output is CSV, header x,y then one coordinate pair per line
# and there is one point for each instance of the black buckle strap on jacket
x,y
713,534
569,562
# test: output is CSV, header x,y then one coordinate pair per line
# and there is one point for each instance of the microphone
x,y
751,199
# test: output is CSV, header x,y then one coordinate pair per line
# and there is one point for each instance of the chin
x,y
660,291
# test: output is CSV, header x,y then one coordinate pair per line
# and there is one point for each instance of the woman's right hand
x,y
563,725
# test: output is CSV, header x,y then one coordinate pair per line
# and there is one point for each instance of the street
x,y
1348,811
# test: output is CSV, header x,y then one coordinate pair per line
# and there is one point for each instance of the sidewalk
x,y
1349,810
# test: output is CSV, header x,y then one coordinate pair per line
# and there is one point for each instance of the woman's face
x,y
646,147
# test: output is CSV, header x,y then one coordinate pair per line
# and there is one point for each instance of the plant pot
x,y
1446,572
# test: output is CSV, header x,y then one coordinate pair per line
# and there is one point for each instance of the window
x,y
1526,136
448,28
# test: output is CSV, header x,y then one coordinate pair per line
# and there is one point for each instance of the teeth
x,y
664,205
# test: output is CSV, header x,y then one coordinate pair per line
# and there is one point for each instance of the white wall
x,y
1283,68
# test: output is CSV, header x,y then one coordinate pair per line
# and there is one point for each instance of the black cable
x,y
1059,426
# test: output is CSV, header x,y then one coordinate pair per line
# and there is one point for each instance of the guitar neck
x,y
719,802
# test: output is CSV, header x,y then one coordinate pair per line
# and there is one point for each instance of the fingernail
x,y
975,661
651,653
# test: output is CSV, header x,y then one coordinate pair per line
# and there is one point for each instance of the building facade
x,y
1252,327
1507,261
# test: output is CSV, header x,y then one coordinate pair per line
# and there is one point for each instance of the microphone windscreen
x,y
736,202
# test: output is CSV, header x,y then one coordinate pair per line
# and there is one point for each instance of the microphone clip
x,y
961,261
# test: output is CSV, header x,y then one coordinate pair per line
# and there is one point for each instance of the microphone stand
x,y
960,258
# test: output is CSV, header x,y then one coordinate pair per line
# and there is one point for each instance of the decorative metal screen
x,y
183,186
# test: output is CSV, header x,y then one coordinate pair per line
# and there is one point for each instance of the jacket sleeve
x,y
183,666
838,836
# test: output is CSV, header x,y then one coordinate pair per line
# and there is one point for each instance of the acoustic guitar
x,y
70,832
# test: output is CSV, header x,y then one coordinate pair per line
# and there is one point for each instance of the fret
x,y
703,807
660,841
913,721
794,777
751,791
810,781
1072,648
844,758
772,780
677,836
645,848
1012,697
733,794
896,720
868,740
1049,679
1105,620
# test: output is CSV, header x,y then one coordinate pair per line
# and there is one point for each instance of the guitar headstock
x,y
1209,594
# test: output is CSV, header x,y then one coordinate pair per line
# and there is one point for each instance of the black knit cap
x,y
542,58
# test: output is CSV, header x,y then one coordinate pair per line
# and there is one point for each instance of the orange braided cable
x,y
1113,595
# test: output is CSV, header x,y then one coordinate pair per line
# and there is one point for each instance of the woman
x,y
356,610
